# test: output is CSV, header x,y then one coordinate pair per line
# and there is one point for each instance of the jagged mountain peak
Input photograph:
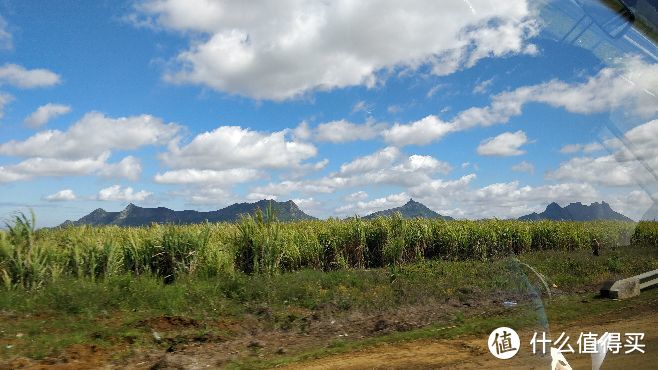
x,y
577,211
411,209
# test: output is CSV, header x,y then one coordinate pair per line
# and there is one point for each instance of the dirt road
x,y
472,353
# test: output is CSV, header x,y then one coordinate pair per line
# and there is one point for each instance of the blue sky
x,y
475,109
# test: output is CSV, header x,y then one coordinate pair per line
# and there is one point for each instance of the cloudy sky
x,y
475,108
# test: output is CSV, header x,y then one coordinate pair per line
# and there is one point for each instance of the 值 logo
x,y
504,343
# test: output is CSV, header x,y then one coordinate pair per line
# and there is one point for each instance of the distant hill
x,y
133,215
411,209
577,212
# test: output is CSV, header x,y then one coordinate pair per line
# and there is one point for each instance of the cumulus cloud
x,y
504,145
215,161
62,195
482,86
359,195
54,167
45,113
13,74
585,148
219,178
338,131
302,131
524,166
92,135
363,208
388,166
229,147
503,200
127,194
129,168
343,131
440,189
5,99
305,49
459,198
633,204
630,86
40,166
308,205
379,160
85,148
421,132
632,161
513,200
605,170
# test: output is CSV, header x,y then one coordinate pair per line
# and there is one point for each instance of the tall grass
x,y
260,244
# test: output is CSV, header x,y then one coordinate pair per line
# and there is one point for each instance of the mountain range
x,y
577,212
133,215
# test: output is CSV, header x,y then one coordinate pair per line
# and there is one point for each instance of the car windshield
x,y
329,184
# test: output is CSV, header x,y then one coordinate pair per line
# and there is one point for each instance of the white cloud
x,y
342,131
458,198
384,167
524,166
441,189
482,86
308,205
128,168
421,132
633,204
18,76
92,135
585,148
39,166
229,147
363,208
305,48
208,195
217,160
62,195
605,170
503,200
362,106
45,113
302,131
55,167
117,193
379,160
628,165
640,142
512,200
630,86
504,145
85,147
217,178
6,39
359,195
5,99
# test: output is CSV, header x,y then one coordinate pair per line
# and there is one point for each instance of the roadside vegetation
x,y
128,291
259,244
